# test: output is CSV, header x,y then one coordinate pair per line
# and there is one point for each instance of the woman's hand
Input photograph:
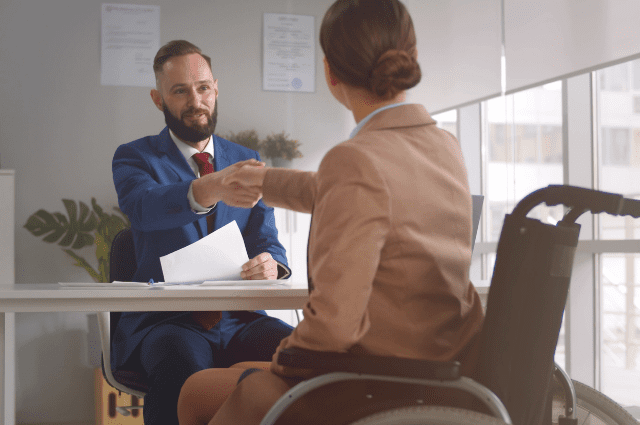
x,y
247,176
220,186
289,372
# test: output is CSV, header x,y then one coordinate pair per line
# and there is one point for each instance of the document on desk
x,y
218,256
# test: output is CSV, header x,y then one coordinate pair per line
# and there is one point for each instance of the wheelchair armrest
x,y
373,365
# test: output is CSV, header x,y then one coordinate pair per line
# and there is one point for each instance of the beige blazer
x,y
390,241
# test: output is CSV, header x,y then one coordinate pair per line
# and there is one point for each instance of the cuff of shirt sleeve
x,y
196,207
284,272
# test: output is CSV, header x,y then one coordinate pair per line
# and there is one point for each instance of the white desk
x,y
54,298
51,297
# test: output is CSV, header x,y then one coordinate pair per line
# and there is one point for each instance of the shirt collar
x,y
188,150
368,117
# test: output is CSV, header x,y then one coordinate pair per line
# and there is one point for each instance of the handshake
x,y
238,185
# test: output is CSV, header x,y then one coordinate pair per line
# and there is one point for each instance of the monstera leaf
x,y
58,228
79,230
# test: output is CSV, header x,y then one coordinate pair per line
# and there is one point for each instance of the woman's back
x,y
390,244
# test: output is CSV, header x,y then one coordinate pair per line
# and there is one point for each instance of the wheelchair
x,y
517,381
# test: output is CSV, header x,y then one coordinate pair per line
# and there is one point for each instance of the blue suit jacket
x,y
152,180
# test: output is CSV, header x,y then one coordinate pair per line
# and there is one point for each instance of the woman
x,y
390,240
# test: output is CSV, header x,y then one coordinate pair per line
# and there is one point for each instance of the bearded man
x,y
172,188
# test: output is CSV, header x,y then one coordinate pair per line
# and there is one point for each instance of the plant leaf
x,y
72,210
81,262
97,208
78,229
42,222
83,239
103,269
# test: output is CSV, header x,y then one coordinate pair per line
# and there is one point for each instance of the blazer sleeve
x,y
291,189
351,220
260,234
152,197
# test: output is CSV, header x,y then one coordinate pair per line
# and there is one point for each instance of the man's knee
x,y
259,340
171,347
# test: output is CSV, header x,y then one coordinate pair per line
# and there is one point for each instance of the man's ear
x,y
156,97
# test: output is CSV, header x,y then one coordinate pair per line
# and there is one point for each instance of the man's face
x,y
187,97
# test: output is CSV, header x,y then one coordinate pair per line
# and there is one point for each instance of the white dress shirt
x,y
188,151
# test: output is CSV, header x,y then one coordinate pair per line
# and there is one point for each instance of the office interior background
x,y
537,92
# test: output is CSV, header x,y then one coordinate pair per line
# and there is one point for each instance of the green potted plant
x,y
280,149
78,229
247,138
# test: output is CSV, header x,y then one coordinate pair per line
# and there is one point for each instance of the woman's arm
x,y
351,220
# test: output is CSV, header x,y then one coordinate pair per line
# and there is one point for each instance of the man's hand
x,y
248,176
261,267
214,187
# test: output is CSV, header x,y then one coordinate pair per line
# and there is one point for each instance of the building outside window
x,y
618,130
524,145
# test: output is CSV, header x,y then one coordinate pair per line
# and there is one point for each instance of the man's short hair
x,y
175,48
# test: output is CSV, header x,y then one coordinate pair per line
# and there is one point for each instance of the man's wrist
x,y
202,193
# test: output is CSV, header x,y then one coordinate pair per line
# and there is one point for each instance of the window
x,y
448,121
614,78
523,140
522,149
635,66
616,146
619,172
620,327
524,145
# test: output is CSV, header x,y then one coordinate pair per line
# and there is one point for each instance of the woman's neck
x,y
361,102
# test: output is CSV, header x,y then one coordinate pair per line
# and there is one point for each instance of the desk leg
x,y
8,369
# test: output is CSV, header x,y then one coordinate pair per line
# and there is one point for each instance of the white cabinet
x,y
293,233
7,224
7,278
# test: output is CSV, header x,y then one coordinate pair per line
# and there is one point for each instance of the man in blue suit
x,y
172,200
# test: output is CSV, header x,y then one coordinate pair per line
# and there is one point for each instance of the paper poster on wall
x,y
289,61
130,40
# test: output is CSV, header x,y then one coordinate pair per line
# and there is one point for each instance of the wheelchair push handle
x,y
595,201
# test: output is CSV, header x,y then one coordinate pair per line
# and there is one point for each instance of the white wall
x,y
59,129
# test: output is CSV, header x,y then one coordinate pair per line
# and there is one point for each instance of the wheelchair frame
x,y
342,367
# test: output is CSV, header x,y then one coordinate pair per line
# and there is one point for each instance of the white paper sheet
x,y
281,282
130,40
289,53
218,256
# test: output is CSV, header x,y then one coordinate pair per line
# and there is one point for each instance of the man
x,y
172,200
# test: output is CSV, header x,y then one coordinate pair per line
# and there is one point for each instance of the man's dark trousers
x,y
177,349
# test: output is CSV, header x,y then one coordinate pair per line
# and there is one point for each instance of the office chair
x,y
516,380
122,266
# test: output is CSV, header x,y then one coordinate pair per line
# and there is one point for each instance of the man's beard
x,y
196,132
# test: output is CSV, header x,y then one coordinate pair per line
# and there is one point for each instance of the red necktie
x,y
206,319
205,167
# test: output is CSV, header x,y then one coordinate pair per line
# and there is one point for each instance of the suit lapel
x,y
177,161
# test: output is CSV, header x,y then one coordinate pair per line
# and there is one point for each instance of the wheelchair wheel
x,y
594,408
431,415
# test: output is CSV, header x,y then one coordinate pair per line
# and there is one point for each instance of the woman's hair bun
x,y
394,71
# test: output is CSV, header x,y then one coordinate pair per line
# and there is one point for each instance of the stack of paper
x,y
218,256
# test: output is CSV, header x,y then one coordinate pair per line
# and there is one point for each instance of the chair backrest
x,y
524,312
122,265
477,201
122,257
